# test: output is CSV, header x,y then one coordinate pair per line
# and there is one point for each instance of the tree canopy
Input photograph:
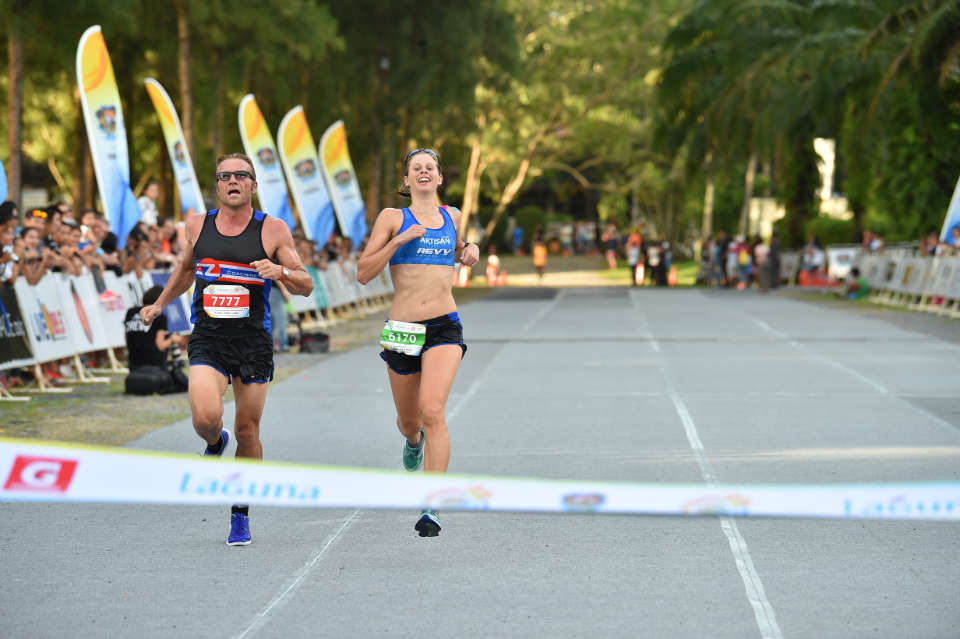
x,y
600,109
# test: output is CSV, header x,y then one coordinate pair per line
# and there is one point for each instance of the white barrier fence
x,y
65,316
929,284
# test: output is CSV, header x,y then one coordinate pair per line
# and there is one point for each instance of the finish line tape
x,y
37,471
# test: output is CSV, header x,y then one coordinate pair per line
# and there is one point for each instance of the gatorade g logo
x,y
41,474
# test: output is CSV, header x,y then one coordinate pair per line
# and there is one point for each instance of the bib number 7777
x,y
225,301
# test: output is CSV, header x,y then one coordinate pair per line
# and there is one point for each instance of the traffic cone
x,y
672,276
464,276
638,278
502,278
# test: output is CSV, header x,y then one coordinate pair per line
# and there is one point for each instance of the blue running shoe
x,y
225,436
429,524
239,530
413,455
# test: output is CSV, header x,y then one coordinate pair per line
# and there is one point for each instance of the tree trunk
x,y
375,165
471,189
218,109
15,118
183,69
744,227
513,186
707,228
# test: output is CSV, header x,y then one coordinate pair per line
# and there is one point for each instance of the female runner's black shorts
x,y
445,329
248,356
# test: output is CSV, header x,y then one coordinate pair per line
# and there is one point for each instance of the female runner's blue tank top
x,y
437,246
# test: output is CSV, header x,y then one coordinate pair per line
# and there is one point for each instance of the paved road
x,y
580,383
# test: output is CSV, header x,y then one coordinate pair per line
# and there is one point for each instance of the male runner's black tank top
x,y
228,293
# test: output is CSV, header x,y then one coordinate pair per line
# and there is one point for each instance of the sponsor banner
x,y
106,132
342,183
952,219
300,161
42,471
80,312
840,260
113,305
14,343
46,317
258,144
177,311
3,183
186,177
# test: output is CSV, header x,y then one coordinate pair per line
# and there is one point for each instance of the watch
x,y
285,273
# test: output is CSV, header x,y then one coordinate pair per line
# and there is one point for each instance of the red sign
x,y
41,474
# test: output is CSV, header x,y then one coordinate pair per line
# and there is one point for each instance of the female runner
x,y
423,337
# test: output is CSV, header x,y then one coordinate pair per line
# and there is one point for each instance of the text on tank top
x,y
437,245
228,292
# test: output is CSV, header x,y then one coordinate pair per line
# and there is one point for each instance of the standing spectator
x,y
73,262
518,240
279,303
9,215
148,203
539,255
954,239
611,242
761,261
634,246
10,252
720,257
773,259
37,219
493,266
744,262
35,260
812,259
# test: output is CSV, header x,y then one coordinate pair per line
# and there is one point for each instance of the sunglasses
x,y
430,152
224,176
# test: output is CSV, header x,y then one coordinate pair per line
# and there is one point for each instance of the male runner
x,y
233,255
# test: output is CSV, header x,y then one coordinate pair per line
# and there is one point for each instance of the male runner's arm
x,y
277,234
466,254
180,280
380,246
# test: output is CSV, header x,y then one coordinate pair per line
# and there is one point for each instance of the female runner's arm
x,y
466,254
382,245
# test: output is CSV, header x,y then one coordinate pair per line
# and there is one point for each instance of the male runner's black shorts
x,y
445,329
248,356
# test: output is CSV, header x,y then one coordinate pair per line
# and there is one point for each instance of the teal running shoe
x,y
413,455
429,524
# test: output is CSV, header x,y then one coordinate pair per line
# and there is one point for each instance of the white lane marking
x,y
880,388
260,619
546,309
644,327
756,595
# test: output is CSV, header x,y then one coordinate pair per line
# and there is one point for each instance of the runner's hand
x,y
268,270
150,313
414,232
470,254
